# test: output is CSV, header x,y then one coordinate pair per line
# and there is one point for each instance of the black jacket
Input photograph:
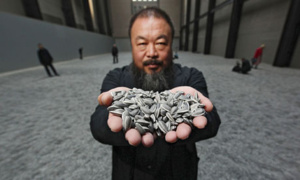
x,y
44,56
114,51
163,160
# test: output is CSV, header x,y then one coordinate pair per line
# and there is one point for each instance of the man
x,y
80,53
146,157
114,53
257,58
246,67
46,60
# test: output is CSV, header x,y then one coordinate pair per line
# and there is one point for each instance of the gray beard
x,y
157,81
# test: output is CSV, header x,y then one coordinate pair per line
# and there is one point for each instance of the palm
x,y
134,138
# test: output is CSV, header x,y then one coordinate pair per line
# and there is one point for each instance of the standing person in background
x,y
80,53
136,156
114,53
46,59
257,58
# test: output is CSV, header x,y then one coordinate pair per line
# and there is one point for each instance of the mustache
x,y
153,62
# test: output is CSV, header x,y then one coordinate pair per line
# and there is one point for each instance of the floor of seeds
x,y
45,131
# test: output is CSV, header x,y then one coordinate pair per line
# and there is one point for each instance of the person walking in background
x,y
114,53
80,53
46,59
257,58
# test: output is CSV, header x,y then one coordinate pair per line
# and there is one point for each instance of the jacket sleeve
x,y
98,124
198,82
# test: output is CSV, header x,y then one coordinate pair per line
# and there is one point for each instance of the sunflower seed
x,y
155,112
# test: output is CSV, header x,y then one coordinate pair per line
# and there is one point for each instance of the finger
x,y
114,123
200,122
105,99
183,131
133,137
204,100
171,137
147,139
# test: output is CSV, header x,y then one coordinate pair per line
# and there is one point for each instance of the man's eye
x,y
161,43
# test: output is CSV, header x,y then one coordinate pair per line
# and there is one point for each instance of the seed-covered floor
x,y
45,130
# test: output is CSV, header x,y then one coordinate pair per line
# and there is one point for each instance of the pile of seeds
x,y
155,112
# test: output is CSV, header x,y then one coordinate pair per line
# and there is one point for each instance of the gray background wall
x,y
261,22
121,14
20,36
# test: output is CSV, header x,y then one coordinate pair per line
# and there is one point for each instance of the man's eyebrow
x,y
162,37
139,37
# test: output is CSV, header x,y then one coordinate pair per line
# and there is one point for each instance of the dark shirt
x,y
162,160
44,56
114,51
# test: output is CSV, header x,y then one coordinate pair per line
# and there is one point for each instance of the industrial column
x,y
187,28
196,25
209,26
234,28
289,36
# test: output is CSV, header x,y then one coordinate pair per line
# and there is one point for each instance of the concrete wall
x,y
121,14
51,11
20,36
202,26
220,29
12,6
261,22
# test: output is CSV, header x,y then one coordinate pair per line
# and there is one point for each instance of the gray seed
x,y
162,126
140,128
154,112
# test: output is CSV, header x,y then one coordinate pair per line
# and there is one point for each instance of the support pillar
x,y
87,15
68,13
209,26
32,9
196,25
234,28
187,29
289,36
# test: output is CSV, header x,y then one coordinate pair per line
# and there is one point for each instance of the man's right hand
x,y
114,122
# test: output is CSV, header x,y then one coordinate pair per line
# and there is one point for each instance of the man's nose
x,y
151,51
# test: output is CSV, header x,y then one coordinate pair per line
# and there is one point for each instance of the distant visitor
x,y
80,53
46,60
257,58
114,53
245,68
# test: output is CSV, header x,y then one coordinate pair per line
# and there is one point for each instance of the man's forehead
x,y
145,24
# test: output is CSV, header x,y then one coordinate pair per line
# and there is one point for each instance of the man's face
x,y
151,41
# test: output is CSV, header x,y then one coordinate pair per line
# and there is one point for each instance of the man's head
x,y
151,34
40,46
